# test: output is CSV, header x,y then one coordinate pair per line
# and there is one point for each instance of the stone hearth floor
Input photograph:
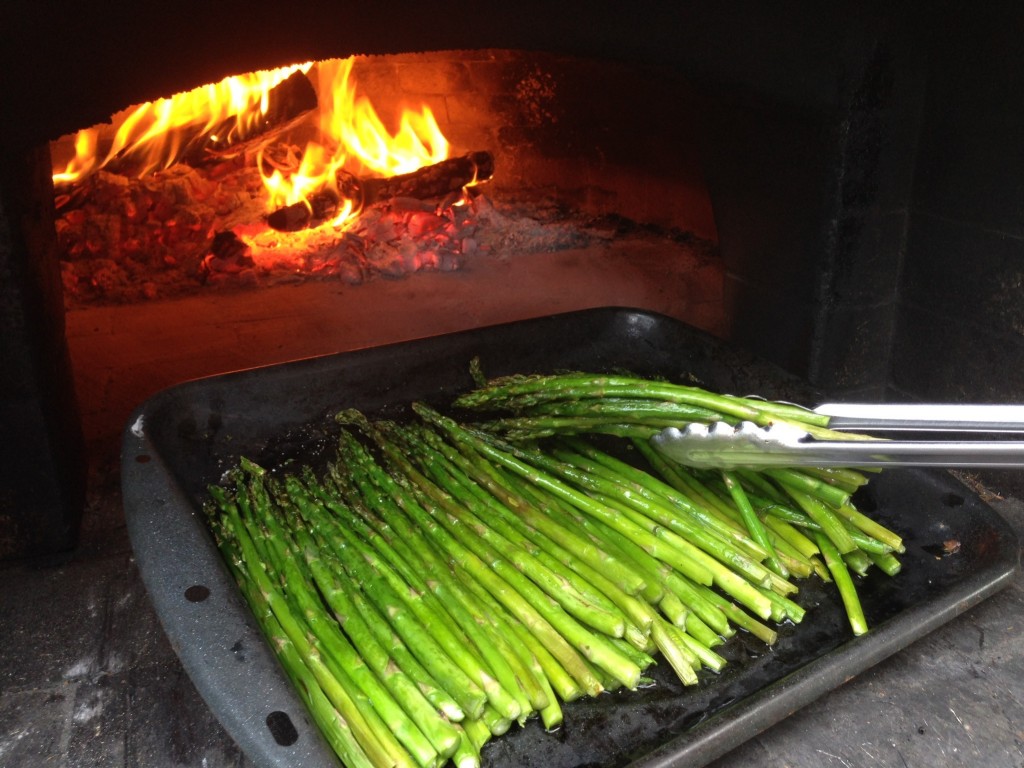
x,y
88,678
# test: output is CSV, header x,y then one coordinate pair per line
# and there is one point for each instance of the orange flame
x,y
355,122
359,140
151,135
84,161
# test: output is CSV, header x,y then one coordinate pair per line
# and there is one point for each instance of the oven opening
x,y
324,171
373,166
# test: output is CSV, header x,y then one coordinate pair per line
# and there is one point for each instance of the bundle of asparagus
x,y
440,581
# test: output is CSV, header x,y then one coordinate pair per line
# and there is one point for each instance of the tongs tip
x,y
725,445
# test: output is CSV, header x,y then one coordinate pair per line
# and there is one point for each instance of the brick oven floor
x,y
124,354
88,678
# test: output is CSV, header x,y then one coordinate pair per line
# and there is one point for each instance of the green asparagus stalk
x,y
467,755
360,619
675,650
338,653
702,547
858,562
550,669
537,620
330,722
740,587
844,583
707,657
537,427
624,409
396,710
809,486
520,391
477,732
670,583
437,729
436,572
517,512
742,619
577,498
753,522
686,536
593,646
386,636
493,539
889,564
421,568
870,527
564,515
426,634
794,559
660,492
826,519
444,596
373,737
332,725
849,480
590,583
662,638
800,519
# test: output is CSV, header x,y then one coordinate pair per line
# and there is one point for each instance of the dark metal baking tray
x,y
184,438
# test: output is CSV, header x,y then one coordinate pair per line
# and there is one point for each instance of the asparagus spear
x,y
426,633
500,505
475,543
373,737
572,592
419,567
753,522
510,459
538,622
516,392
435,727
332,724
847,591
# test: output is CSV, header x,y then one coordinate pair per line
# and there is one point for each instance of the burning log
x,y
287,101
435,180
315,210
432,181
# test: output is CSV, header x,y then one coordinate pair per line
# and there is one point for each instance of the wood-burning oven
x,y
807,123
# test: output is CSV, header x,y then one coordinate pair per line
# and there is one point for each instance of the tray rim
x,y
148,495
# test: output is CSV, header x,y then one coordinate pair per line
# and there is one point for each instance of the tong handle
x,y
923,417
780,445
963,454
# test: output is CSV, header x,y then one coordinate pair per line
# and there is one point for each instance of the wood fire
x,y
313,186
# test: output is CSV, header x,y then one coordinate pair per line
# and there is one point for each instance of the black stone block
x,y
42,464
966,272
941,358
855,351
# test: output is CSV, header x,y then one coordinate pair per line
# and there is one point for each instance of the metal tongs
x,y
746,444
